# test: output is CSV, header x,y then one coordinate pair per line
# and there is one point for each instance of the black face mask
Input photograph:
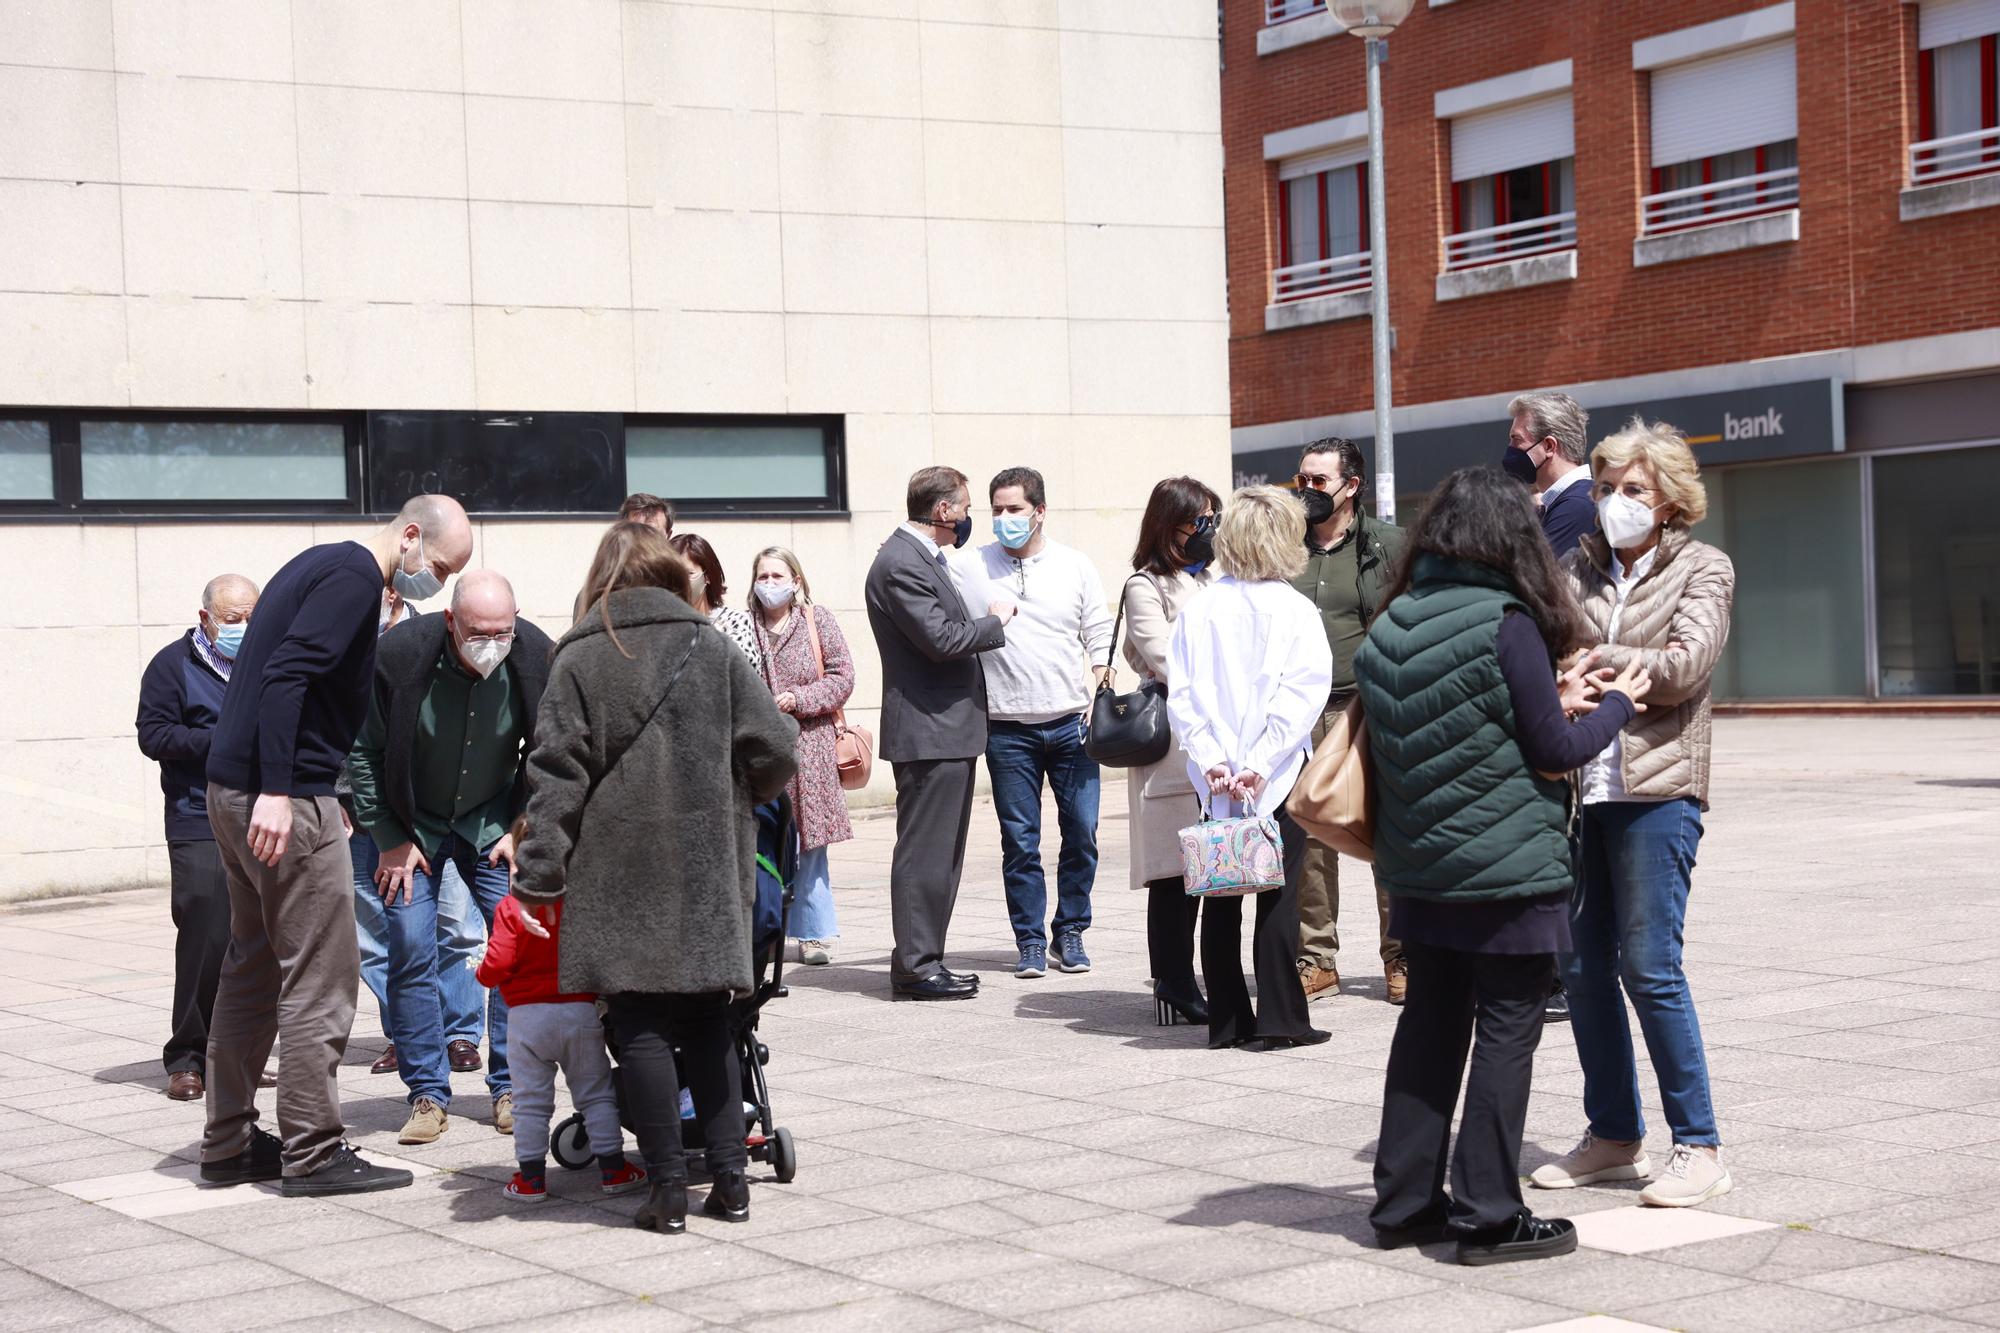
x,y
961,530
1319,506
1199,548
1516,464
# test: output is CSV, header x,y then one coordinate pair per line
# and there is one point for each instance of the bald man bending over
x,y
440,772
298,693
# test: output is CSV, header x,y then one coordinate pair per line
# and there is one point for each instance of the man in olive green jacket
x,y
1350,561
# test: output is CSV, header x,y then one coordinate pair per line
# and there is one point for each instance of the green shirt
x,y
1332,579
468,750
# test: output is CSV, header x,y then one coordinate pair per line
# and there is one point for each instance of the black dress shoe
x,y
262,1160
1420,1233
1310,1037
936,986
346,1172
1557,1008
728,1198
962,978
1526,1237
665,1209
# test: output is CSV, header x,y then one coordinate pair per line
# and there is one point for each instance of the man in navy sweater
x,y
1547,448
298,695
180,698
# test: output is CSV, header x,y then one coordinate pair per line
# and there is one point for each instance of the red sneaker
x,y
526,1190
624,1180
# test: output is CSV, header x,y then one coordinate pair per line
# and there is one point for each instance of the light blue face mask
x,y
229,638
1014,530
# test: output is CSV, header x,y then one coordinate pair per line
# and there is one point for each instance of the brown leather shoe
x,y
386,1064
1398,974
185,1086
1318,980
464,1056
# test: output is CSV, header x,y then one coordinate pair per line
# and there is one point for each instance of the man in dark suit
x,y
1547,448
933,722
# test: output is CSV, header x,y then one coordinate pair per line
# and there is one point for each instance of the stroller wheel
x,y
784,1156
569,1144
763,1053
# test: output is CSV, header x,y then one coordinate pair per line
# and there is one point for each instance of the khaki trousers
x,y
1319,883
290,976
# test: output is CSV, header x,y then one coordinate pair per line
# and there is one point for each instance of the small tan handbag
x,y
853,747
1333,799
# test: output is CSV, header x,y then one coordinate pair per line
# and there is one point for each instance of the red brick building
x,y
1777,226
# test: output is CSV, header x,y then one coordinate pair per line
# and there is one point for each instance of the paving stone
x,y
539,1297
1756,1308
1932,1283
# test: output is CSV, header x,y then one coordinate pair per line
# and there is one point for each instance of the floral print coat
x,y
819,807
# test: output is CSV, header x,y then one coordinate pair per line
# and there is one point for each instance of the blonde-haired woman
x,y
811,672
1654,595
1251,668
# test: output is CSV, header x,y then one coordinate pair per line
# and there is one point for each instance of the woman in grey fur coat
x,y
657,739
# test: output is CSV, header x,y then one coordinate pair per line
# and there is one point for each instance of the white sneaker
x,y
1691,1176
815,953
1593,1160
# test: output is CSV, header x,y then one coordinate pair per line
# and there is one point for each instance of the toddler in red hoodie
x,y
547,1029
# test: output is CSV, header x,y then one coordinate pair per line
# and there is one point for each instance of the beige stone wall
x,y
988,232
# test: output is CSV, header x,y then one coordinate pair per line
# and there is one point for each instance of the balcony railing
x,y
1972,154
1720,201
1513,240
1284,11
1321,277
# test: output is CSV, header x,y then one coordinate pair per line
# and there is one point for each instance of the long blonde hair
x,y
632,555
791,562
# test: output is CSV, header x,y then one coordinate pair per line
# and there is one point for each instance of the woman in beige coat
x,y
1170,567
1651,593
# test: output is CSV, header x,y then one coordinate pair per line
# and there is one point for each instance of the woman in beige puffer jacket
x,y
1651,591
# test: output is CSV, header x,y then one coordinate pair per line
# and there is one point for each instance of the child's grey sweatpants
x,y
541,1038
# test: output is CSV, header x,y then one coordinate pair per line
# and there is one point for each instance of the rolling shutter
x,y
1723,103
1942,22
1341,155
1525,134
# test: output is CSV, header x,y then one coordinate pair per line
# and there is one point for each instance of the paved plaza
x,y
1045,1157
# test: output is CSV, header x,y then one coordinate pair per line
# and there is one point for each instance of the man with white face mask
x,y
440,771
180,698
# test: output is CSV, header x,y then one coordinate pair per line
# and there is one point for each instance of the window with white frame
x,y
1322,224
1958,103
1725,138
1284,11
1513,183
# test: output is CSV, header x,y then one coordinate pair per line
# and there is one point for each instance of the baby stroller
x,y
777,860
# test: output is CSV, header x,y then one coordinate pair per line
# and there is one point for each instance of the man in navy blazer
x,y
933,722
1547,448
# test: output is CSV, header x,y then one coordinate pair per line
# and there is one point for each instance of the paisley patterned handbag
x,y
1226,858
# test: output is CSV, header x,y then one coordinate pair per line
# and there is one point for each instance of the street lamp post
x,y
1374,20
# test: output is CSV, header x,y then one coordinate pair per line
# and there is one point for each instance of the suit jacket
x,y
933,687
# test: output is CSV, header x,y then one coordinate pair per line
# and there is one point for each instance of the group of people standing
x,y
1532,662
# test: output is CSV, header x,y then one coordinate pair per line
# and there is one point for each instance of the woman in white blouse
x,y
1251,669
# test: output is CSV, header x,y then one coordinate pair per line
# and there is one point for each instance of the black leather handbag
x,y
1128,730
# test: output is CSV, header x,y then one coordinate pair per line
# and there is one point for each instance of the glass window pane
x,y
1937,572
728,462
1564,174
1475,204
214,460
1302,219
1794,533
1957,95
1343,193
27,464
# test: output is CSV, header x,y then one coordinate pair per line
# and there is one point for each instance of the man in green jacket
x,y
1350,560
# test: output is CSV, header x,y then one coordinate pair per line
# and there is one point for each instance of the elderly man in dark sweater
x,y
298,693
439,774
180,698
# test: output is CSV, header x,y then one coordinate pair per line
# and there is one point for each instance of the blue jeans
x,y
461,935
812,917
1018,755
1632,892
416,1020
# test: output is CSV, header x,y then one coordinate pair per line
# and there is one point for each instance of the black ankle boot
x,y
728,1197
665,1209
1176,1006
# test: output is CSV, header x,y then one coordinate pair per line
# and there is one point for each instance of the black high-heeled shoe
x,y
665,1209
1172,1009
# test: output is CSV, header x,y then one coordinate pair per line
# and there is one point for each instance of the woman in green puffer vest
x,y
1471,731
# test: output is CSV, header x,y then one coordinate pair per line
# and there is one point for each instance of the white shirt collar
x,y
923,534
1581,472
1639,566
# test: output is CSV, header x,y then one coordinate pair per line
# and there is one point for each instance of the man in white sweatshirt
x,y
1038,690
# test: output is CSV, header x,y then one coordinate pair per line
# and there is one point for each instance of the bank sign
x,y
1740,426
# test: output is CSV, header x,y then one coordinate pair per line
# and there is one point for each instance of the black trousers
x,y
199,901
647,1028
933,813
1492,1003
1170,918
1274,953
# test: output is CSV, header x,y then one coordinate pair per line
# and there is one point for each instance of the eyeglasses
x,y
502,639
1633,490
1319,481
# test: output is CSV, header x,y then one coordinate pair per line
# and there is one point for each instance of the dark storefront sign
x,y
1740,426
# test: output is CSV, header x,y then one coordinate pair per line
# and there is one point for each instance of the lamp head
x,y
1370,18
